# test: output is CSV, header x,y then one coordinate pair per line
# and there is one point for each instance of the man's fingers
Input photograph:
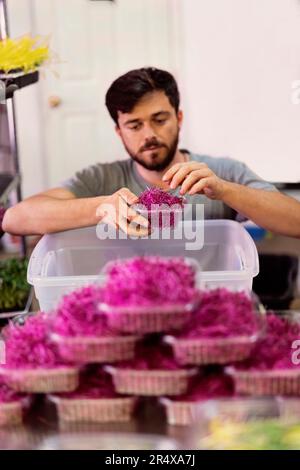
x,y
120,215
193,178
175,168
183,171
128,213
117,206
171,172
179,176
131,229
140,220
198,187
122,223
128,196
137,230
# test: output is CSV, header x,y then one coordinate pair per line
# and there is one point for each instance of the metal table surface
x,y
41,424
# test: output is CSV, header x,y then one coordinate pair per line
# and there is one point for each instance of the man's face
x,y
150,131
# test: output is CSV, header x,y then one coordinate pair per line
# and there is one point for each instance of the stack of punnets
x,y
147,331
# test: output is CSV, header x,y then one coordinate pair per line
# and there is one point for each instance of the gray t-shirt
x,y
104,179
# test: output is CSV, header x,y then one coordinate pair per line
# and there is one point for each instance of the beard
x,y
154,165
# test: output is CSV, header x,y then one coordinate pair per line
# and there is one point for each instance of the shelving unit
x,y
12,83
9,182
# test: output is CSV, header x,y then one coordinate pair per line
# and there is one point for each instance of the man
x,y
144,105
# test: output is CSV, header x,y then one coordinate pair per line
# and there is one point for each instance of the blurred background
x,y
237,64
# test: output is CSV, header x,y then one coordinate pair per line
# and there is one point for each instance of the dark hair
x,y
125,92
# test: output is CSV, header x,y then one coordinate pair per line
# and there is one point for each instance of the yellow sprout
x,y
26,53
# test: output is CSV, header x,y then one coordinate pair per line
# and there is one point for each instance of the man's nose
x,y
148,132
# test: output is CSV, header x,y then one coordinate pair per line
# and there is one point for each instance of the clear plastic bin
x,y
63,261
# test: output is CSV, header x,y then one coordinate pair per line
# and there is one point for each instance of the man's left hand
x,y
195,178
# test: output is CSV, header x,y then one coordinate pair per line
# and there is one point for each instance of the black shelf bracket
x,y
13,82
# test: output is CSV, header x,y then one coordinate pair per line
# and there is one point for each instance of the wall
x,y
238,61
241,60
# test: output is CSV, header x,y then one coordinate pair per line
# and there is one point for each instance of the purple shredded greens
x,y
152,357
144,281
159,197
29,346
94,383
78,314
274,350
7,395
222,314
206,387
161,206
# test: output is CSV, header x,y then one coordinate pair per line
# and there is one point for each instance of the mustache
x,y
151,143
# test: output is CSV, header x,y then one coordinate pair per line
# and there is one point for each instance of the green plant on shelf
x,y
14,289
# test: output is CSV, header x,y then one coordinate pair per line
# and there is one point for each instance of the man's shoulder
x,y
234,170
113,175
99,178
107,166
217,164
209,159
115,171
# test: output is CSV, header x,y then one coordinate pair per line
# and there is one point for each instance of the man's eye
x,y
135,127
160,121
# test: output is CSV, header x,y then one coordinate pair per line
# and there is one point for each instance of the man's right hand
x,y
59,209
116,210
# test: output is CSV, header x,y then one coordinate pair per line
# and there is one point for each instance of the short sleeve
x,y
86,183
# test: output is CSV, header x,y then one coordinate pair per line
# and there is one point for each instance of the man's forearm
x,y
271,210
44,214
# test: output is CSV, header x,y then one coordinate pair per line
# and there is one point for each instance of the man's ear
x,y
180,118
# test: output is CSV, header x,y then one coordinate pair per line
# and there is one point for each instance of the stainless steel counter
x,y
41,425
